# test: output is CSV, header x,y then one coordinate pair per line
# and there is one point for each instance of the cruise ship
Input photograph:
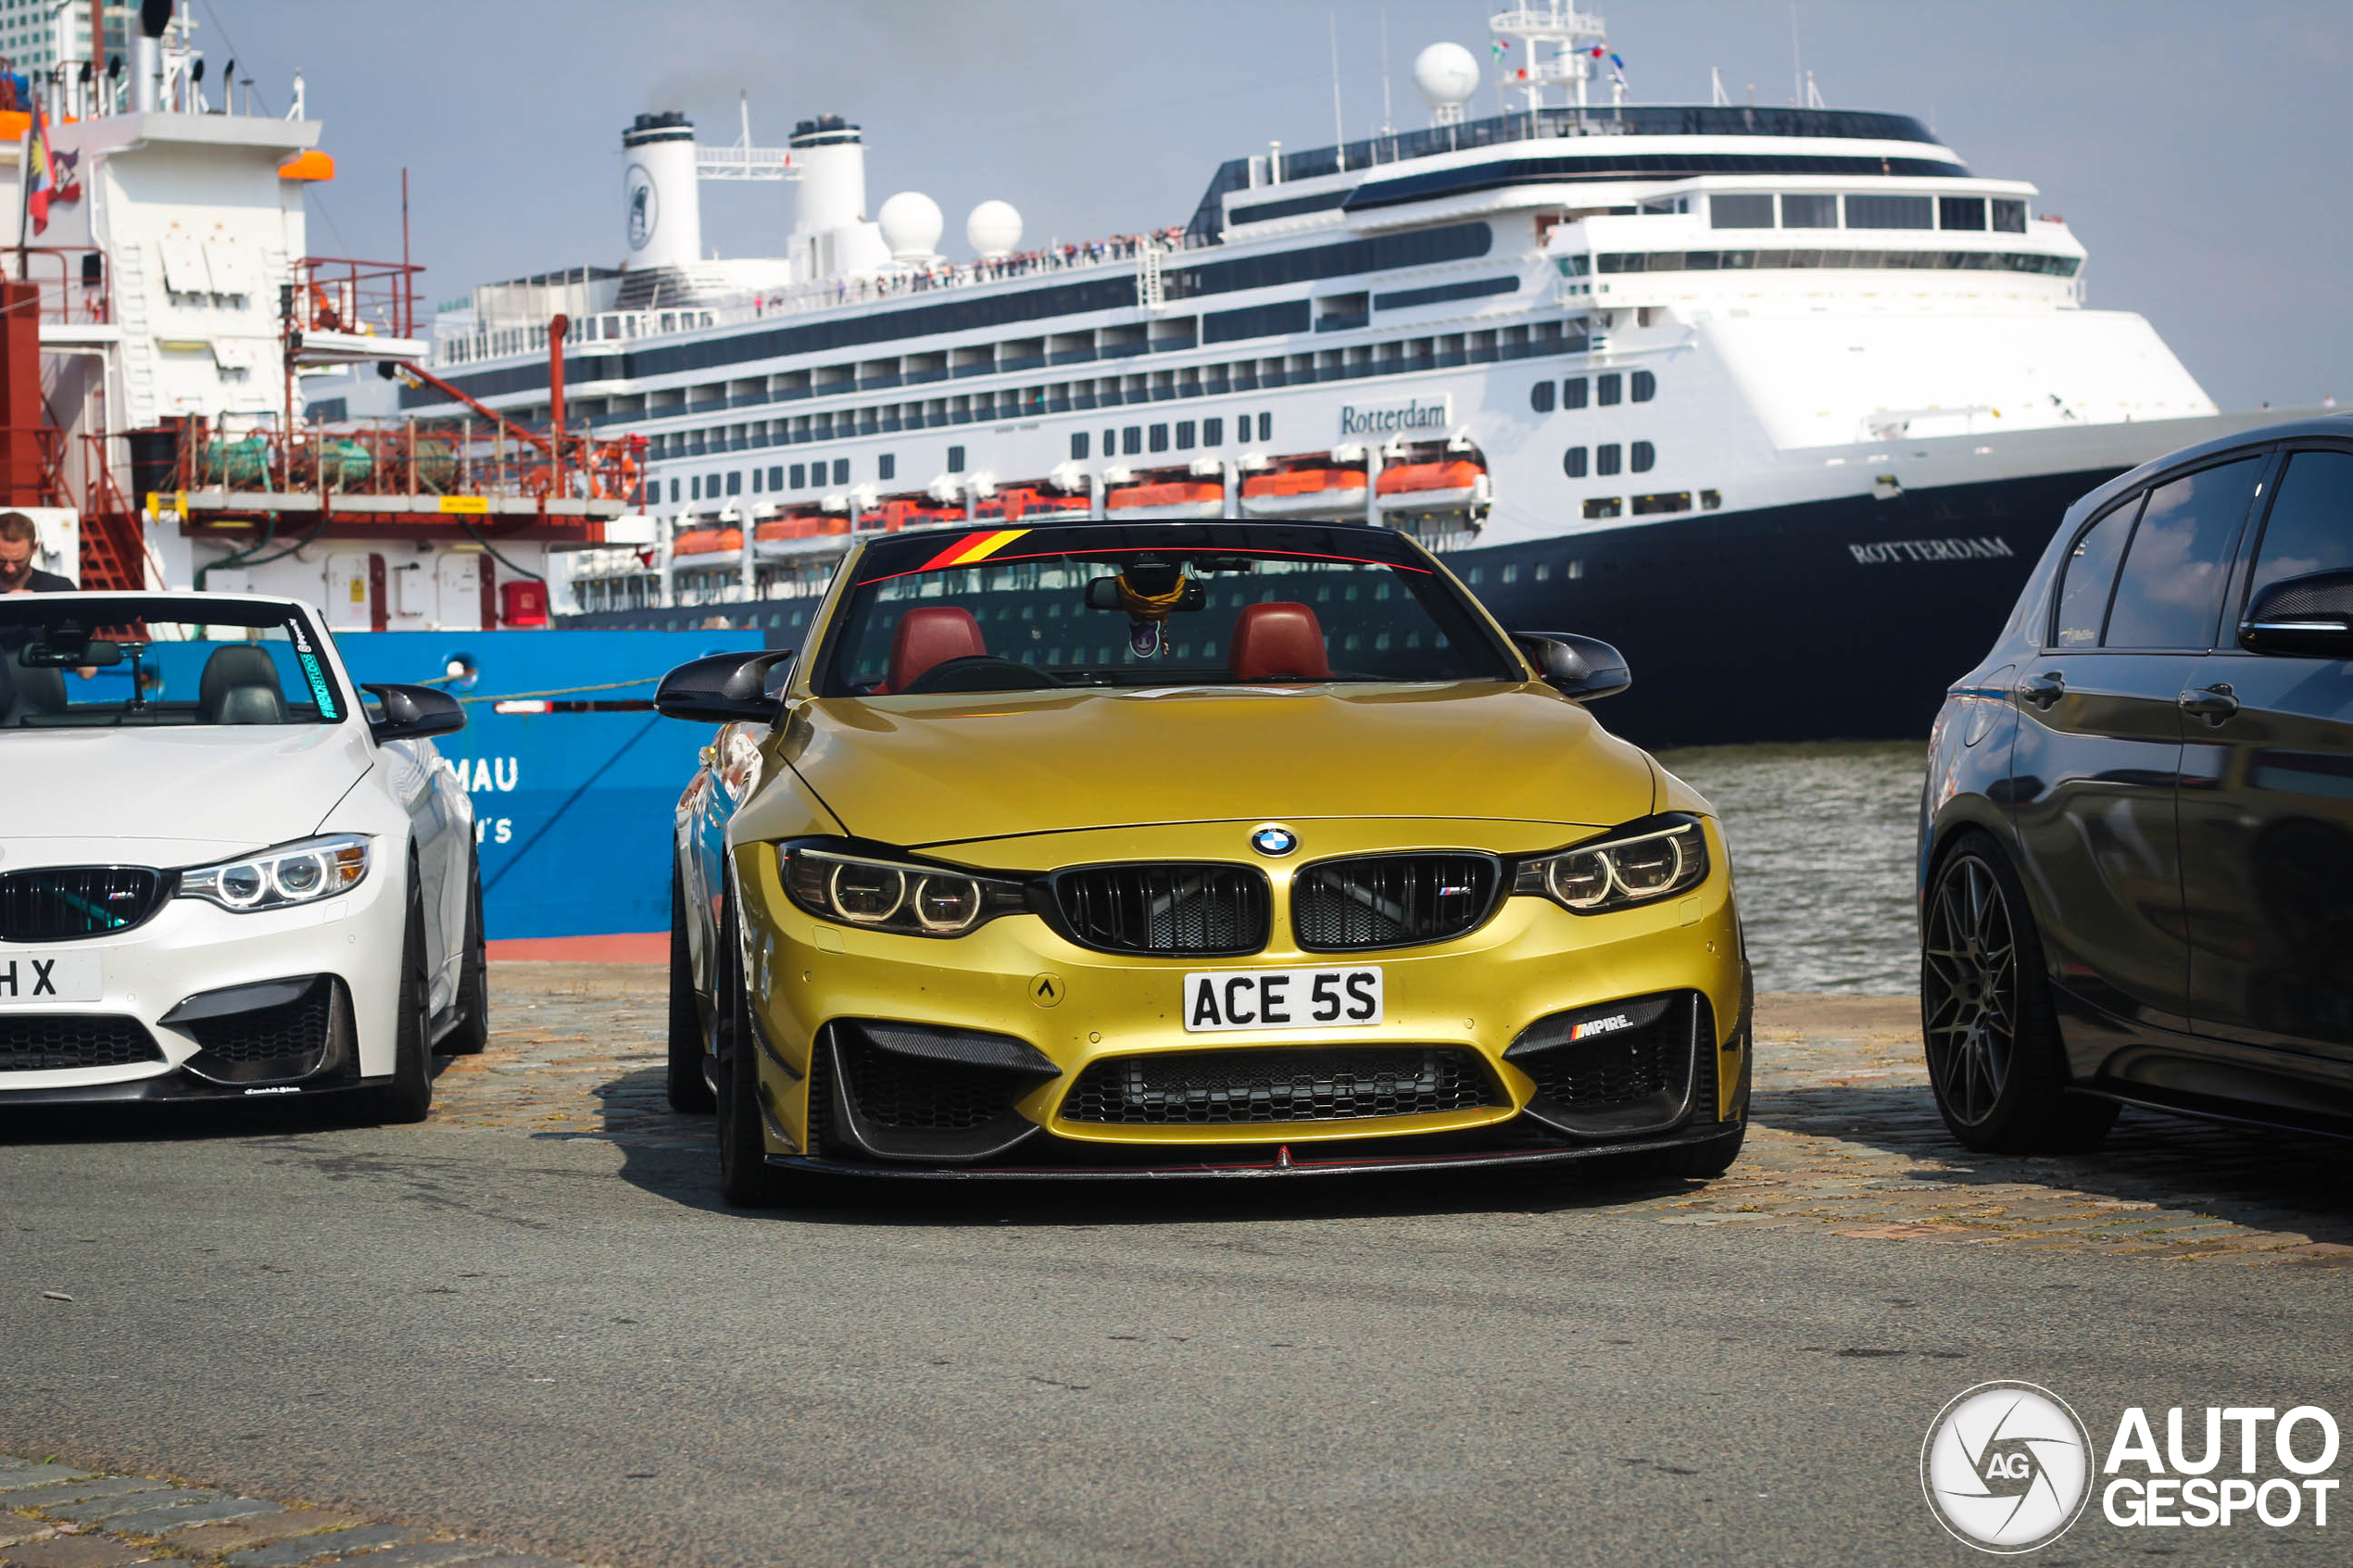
x,y
1783,401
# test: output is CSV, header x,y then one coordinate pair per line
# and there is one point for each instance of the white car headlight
x,y
292,873
1622,869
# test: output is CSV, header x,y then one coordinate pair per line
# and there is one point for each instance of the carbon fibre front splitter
x,y
1282,1164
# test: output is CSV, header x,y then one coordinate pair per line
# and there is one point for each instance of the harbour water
x,y
1822,840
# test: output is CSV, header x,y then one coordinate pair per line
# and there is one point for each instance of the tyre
x,y
472,1032
1994,1057
409,1093
746,1180
689,1090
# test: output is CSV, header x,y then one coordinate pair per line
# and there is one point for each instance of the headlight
x,y
902,896
292,873
1632,867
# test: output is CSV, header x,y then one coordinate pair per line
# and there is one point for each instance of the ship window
x,y
1645,386
1540,398
1543,570
1213,433
1573,392
694,488
1607,459
1960,212
1809,212
1160,438
1645,457
1608,390
1131,440
1111,443
1673,501
1079,446
1573,462
2009,217
776,477
955,460
1600,506
1740,212
841,470
755,482
1711,500
1185,429
1890,212
673,490
1266,427
1511,572
887,466
799,476
1478,575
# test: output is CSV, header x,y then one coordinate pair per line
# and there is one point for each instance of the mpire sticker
x,y
2008,1467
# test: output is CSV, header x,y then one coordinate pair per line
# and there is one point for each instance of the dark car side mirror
x,y
721,689
1583,668
2310,615
413,712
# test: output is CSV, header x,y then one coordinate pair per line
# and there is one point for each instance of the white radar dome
x,y
1445,74
911,225
993,229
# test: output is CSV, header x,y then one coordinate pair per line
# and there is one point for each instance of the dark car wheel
x,y
409,1095
1994,1050
689,1090
746,1180
472,1032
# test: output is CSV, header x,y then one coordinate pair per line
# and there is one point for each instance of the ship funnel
x,y
661,205
147,56
993,229
911,227
831,235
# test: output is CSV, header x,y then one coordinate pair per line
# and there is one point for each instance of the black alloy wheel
x,y
746,1179
1994,1056
688,1089
409,1095
473,1031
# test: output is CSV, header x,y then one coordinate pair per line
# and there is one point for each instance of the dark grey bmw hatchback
x,y
2136,839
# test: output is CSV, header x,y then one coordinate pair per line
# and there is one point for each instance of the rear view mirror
x,y
413,712
1583,668
723,688
2311,615
93,654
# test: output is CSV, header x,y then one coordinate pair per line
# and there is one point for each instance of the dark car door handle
x,y
2043,690
2214,704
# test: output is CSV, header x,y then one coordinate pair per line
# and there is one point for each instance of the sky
x,y
2193,149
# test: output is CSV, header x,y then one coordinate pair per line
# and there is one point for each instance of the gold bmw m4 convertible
x,y
1222,849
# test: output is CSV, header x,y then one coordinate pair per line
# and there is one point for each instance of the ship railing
x,y
333,293
75,289
459,461
481,341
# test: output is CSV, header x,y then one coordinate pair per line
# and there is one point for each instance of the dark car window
x,y
2172,584
2312,525
2087,576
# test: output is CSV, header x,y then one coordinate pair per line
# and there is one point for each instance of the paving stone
x,y
100,1510
310,1548
164,1521
96,1487
213,1540
74,1552
14,1474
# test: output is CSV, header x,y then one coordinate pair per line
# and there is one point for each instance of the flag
x,y
52,173
1503,48
1617,71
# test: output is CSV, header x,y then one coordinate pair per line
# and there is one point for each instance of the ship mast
x,y
1560,48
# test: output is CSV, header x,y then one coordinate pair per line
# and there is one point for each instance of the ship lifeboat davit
x,y
1166,498
1313,492
1454,485
708,542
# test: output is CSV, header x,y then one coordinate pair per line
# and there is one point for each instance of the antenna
x,y
1813,93
1796,65
1340,127
1715,94
743,103
1387,124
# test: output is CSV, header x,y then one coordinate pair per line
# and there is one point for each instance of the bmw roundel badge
x,y
1273,839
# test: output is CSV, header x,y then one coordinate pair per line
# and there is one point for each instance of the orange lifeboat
x,y
1023,501
708,542
1433,487
910,511
1308,491
1175,497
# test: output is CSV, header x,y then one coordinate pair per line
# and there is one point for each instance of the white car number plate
x,y
1281,998
31,976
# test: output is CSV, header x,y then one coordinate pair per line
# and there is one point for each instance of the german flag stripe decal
x,y
973,547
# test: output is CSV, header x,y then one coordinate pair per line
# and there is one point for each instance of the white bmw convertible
x,y
224,872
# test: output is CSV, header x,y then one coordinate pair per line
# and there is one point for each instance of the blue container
x,y
571,806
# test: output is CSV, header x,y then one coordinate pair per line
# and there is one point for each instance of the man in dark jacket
x,y
17,575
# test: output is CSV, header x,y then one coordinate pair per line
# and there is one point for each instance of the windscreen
x,y
84,661
1146,606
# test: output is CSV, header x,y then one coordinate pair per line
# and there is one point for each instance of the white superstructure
x,y
1571,320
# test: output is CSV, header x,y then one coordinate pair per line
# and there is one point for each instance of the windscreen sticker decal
x,y
973,547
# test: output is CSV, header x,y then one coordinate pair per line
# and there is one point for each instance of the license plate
x,y
41,978
1281,998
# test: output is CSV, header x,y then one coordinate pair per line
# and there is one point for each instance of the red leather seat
x,y
1280,641
933,634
